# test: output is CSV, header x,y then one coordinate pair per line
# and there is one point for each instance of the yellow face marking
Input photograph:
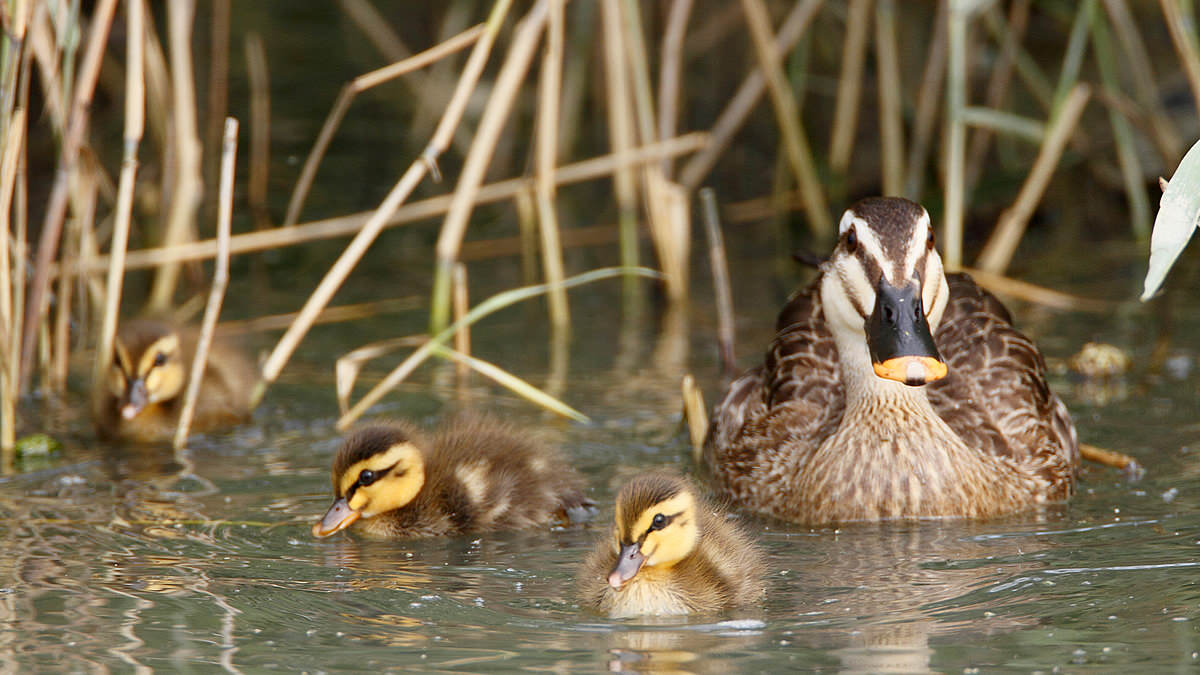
x,y
162,368
399,475
667,546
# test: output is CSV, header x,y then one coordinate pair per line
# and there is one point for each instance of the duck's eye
x,y
659,522
367,477
851,240
931,238
159,359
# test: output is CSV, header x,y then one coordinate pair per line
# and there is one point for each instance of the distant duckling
x,y
670,553
142,394
475,474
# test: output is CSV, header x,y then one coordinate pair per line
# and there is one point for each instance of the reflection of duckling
x,y
670,553
473,475
142,395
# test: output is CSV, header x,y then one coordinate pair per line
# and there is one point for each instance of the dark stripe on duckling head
x,y
369,441
641,494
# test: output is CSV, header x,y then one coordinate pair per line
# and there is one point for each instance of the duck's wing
x,y
774,416
995,396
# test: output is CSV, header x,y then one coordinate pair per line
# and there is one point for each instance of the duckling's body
x,y
475,474
892,390
142,396
670,553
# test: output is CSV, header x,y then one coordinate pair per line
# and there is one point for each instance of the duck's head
x,y
378,469
656,525
147,368
884,283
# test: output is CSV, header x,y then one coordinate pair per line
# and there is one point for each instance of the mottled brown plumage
x,y
692,560
474,474
142,393
815,437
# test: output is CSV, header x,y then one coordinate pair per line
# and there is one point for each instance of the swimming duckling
x,y
142,395
670,553
475,474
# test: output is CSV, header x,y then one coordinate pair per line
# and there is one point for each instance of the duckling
x,y
142,395
474,474
670,553
892,390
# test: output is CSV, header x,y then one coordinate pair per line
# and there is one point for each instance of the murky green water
x,y
120,557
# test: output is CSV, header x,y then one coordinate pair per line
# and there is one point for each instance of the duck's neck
x,y
866,391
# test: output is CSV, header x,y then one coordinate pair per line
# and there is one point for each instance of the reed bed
x,y
654,99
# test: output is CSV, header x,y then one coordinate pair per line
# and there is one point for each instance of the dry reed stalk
x,y
670,74
734,115
788,119
716,24
1035,81
220,281
575,74
670,230
845,111
1039,295
57,203
549,96
84,211
496,112
1110,458
1183,37
639,69
956,136
511,382
343,226
1077,42
218,95
188,187
352,89
527,225
408,182
891,124
347,368
333,314
1162,130
462,305
694,414
10,326
928,99
373,25
1127,153
720,273
260,130
620,130
997,89
492,304
135,111
1003,242
158,96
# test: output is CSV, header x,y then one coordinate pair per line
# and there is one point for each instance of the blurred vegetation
x,y
985,111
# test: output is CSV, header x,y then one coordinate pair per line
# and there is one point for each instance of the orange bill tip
x,y
912,370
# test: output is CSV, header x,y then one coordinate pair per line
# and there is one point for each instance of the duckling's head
x,y
378,469
656,525
884,282
147,367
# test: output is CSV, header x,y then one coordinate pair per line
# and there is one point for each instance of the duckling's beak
x,y
629,562
898,335
137,398
337,518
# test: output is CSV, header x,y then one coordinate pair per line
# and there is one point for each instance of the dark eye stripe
x,y
667,520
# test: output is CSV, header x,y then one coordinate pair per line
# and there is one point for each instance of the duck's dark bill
x,y
337,518
911,370
899,338
629,562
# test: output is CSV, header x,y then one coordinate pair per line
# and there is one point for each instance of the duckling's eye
x,y
851,240
659,522
367,477
160,358
931,238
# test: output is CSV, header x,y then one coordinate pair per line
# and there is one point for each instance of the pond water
x,y
125,558
120,557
